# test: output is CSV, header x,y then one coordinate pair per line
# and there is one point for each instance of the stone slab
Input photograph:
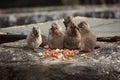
x,y
17,62
102,27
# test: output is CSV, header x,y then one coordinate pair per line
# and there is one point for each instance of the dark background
x,y
36,3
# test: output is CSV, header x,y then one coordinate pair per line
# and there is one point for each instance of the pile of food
x,y
62,54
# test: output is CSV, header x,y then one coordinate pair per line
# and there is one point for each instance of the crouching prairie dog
x,y
44,40
72,38
88,36
34,39
55,36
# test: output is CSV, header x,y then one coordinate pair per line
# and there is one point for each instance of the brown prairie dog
x,y
34,39
88,36
67,20
72,38
44,40
56,36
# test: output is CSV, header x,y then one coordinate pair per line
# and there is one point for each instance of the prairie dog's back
x,y
88,36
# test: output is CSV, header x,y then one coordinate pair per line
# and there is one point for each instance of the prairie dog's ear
x,y
34,28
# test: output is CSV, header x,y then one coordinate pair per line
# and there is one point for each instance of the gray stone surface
x,y
17,62
102,27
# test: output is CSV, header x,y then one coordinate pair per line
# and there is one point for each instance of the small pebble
x,y
13,58
85,57
60,55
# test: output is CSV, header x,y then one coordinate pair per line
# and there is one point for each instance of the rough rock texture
x,y
17,62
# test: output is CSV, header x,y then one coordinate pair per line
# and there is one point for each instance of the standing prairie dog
x,y
34,39
88,36
72,38
67,20
55,37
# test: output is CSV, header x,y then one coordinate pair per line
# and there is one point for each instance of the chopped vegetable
x,y
40,54
63,54
95,52
60,55
85,57
63,58
82,55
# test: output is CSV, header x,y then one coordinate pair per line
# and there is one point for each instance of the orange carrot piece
x,y
63,58
95,52
85,57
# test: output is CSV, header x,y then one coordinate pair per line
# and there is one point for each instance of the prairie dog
x,y
67,20
72,38
34,39
56,36
44,40
88,36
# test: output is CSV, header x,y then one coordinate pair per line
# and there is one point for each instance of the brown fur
x,y
88,36
72,38
44,40
55,37
67,20
34,39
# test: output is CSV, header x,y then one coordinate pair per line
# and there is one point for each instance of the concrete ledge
x,y
102,27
